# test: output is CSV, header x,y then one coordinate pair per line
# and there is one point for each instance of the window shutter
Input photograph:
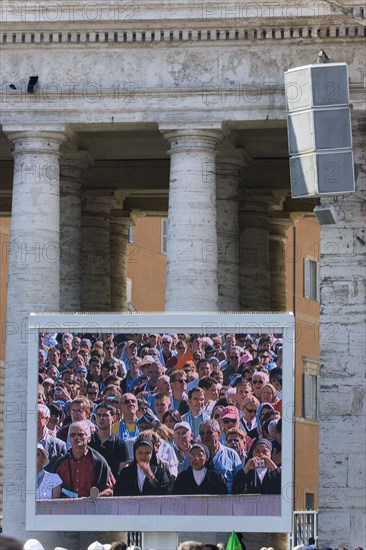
x,y
317,282
307,278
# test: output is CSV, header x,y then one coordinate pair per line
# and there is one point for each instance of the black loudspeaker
x,y
319,130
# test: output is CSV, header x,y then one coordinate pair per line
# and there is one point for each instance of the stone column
x,y
121,220
192,237
96,247
33,285
277,256
228,175
254,249
73,164
342,467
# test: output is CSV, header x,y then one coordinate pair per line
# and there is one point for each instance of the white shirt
x,y
48,483
141,476
199,475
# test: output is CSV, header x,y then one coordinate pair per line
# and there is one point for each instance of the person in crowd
x,y
82,467
95,367
180,349
200,478
53,358
248,419
108,368
230,418
109,445
54,446
48,385
258,380
243,389
262,410
161,404
225,460
129,351
269,395
48,485
277,441
232,367
171,418
236,439
195,416
133,377
55,419
218,376
164,452
109,353
167,352
127,427
92,391
204,369
154,371
80,409
178,381
260,474
211,390
182,443
275,378
141,477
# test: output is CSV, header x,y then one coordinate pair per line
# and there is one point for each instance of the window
x,y
311,388
131,234
311,280
164,235
309,501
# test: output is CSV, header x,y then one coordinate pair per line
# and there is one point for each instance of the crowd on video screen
x,y
158,414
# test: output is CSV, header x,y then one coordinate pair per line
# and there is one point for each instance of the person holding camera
x,y
260,474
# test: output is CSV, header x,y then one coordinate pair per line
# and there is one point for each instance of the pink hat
x,y
230,412
246,357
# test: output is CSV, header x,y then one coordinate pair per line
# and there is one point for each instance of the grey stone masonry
x,y
34,285
342,465
228,174
191,282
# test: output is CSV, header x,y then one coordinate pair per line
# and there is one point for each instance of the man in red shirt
x,y
82,467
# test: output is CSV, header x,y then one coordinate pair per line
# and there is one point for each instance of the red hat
x,y
230,412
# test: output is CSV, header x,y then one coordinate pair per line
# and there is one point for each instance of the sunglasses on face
x,y
257,381
229,421
251,411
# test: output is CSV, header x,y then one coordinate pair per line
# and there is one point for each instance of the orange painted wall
x,y
303,242
146,265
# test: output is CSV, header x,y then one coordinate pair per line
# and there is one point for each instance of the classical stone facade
x,y
180,108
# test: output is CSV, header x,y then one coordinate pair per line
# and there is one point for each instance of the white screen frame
x,y
281,323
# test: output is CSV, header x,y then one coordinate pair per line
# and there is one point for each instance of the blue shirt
x,y
228,463
195,422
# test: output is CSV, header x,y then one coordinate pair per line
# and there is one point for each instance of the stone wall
x,y
342,474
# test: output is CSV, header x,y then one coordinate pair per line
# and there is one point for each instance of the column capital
x,y
256,201
81,159
192,139
36,139
278,226
234,157
73,164
102,200
129,217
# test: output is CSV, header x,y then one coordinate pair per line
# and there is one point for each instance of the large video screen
x,y
152,422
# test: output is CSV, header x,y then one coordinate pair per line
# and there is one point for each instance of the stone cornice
x,y
145,33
